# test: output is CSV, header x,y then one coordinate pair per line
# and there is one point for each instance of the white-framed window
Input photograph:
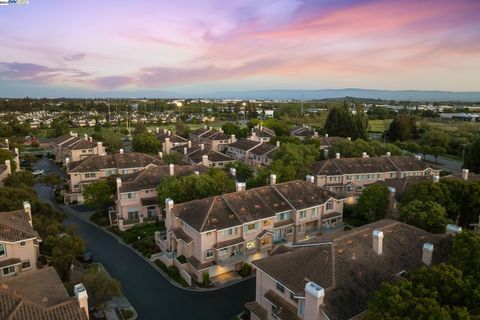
x,y
314,211
26,265
252,226
131,195
349,178
76,186
230,232
349,188
3,250
266,223
90,175
208,254
284,216
393,174
252,244
8,270
288,231
303,214
132,213
329,205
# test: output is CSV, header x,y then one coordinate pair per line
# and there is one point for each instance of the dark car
x,y
86,257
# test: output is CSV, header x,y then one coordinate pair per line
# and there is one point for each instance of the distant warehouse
x,y
460,116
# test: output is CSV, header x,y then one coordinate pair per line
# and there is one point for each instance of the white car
x,y
38,172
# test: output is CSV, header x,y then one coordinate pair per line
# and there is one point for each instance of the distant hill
x,y
404,95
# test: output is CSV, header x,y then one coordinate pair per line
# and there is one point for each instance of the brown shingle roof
x,y
15,226
62,139
257,310
264,148
114,161
214,156
303,194
173,138
228,243
244,144
37,295
283,310
180,234
83,144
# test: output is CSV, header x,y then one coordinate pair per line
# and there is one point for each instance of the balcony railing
x,y
238,257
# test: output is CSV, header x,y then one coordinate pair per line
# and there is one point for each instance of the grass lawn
x,y
378,125
146,232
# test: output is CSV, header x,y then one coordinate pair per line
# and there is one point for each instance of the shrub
x,y
182,259
245,270
161,265
206,278
173,271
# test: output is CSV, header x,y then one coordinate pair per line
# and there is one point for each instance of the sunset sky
x,y
55,48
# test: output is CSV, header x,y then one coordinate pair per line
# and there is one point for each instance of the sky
x,y
63,47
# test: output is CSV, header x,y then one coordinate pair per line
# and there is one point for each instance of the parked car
x,y
38,172
86,257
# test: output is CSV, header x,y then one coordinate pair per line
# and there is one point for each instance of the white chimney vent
x,y
121,151
185,149
82,297
388,154
273,179
240,186
233,172
378,241
172,169
465,174
160,155
364,155
310,178
326,135
418,157
337,155
119,182
202,146
427,253
436,179
278,144
453,229
189,144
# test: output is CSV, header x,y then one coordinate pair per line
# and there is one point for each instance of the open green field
x,y
378,125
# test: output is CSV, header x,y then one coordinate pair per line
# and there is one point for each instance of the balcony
x,y
232,259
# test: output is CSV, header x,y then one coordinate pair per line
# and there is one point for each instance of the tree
x,y
373,203
339,122
402,128
428,215
146,142
182,129
113,141
242,171
472,156
466,254
99,194
438,151
65,249
173,157
60,128
100,287
140,128
239,132
22,179
7,155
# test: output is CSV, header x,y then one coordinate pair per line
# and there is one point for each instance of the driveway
x,y
152,296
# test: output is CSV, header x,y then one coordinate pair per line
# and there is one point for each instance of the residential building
x,y
261,134
136,197
18,242
74,148
41,295
252,153
302,132
334,277
5,171
218,234
346,177
170,140
200,155
93,168
215,140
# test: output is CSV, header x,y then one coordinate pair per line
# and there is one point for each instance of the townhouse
x,y
170,140
198,154
252,153
5,171
88,170
261,133
19,242
218,234
333,278
136,197
74,148
347,177
215,140
41,295
302,132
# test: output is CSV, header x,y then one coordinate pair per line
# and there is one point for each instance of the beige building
x,y
215,140
136,197
218,234
41,295
91,169
252,153
347,177
334,276
170,140
199,154
73,148
18,242
261,134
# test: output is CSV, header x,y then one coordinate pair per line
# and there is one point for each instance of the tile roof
x,y
237,208
283,310
96,163
301,132
173,138
83,144
15,226
228,243
180,234
328,141
10,262
62,139
257,310
347,267
213,156
199,131
264,148
37,295
368,165
152,177
263,132
244,145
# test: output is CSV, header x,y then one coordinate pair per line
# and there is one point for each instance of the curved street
x,y
153,296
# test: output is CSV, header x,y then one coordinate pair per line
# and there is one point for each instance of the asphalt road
x,y
149,292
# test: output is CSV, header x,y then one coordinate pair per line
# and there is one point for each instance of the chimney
x,y
210,128
205,160
169,132
378,241
17,153
240,186
233,172
82,297
436,179
465,174
28,210
220,130
164,131
418,157
205,127
158,130
427,253
7,142
232,138
388,154
273,179
337,155
349,139
168,214
121,151
326,135
310,178
325,153
453,229
197,173
202,146
67,161
364,155
189,144
85,136
160,154
172,169
185,150
119,182
90,139
315,134
71,134
9,166
314,295
254,134
278,144
100,148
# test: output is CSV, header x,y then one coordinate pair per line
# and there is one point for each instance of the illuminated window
x,y
267,223
251,244
266,241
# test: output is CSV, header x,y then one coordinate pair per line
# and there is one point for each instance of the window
x,y
251,245
90,175
280,287
230,232
359,188
132,213
151,211
349,188
267,223
131,195
284,216
301,308
266,241
349,178
76,186
315,211
208,254
8,270
3,250
303,214
392,174
26,265
252,226
329,205
289,231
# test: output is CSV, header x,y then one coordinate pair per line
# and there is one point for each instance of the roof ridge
x,y
231,208
208,213
283,197
392,163
17,307
336,166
